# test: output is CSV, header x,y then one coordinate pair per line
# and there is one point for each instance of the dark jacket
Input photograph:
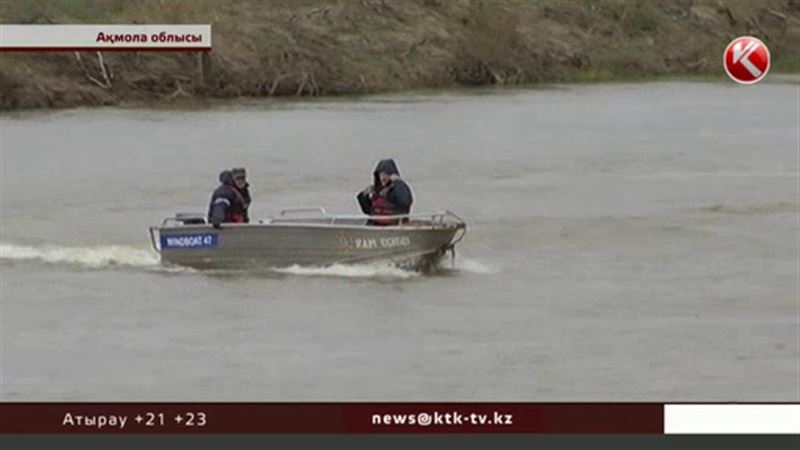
x,y
245,191
228,204
397,193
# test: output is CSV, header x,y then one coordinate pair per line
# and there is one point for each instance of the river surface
x,y
626,242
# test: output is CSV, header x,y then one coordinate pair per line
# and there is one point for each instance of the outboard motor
x,y
191,218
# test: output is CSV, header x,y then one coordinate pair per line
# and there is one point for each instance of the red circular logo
x,y
746,60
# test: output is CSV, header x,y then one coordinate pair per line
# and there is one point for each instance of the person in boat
x,y
231,200
388,195
240,174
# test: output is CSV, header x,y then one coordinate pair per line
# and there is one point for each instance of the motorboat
x,y
308,237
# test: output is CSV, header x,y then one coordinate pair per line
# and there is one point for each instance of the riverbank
x,y
321,48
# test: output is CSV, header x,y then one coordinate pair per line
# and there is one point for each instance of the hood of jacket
x,y
384,165
226,177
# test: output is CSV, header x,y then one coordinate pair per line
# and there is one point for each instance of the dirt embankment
x,y
314,48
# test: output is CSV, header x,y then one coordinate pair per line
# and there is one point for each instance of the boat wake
x,y
385,270
475,266
121,256
97,257
350,271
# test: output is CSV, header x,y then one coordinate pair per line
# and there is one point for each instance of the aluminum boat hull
x,y
418,245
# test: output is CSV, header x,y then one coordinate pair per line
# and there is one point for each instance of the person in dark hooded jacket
x,y
228,204
241,184
388,195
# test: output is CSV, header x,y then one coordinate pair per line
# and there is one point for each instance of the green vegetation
x,y
315,47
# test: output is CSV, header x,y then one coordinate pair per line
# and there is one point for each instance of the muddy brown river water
x,y
626,242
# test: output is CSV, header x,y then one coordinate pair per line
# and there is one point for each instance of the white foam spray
x,y
93,257
351,271
110,256
474,266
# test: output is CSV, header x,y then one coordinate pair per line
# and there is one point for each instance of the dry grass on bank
x,y
310,48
